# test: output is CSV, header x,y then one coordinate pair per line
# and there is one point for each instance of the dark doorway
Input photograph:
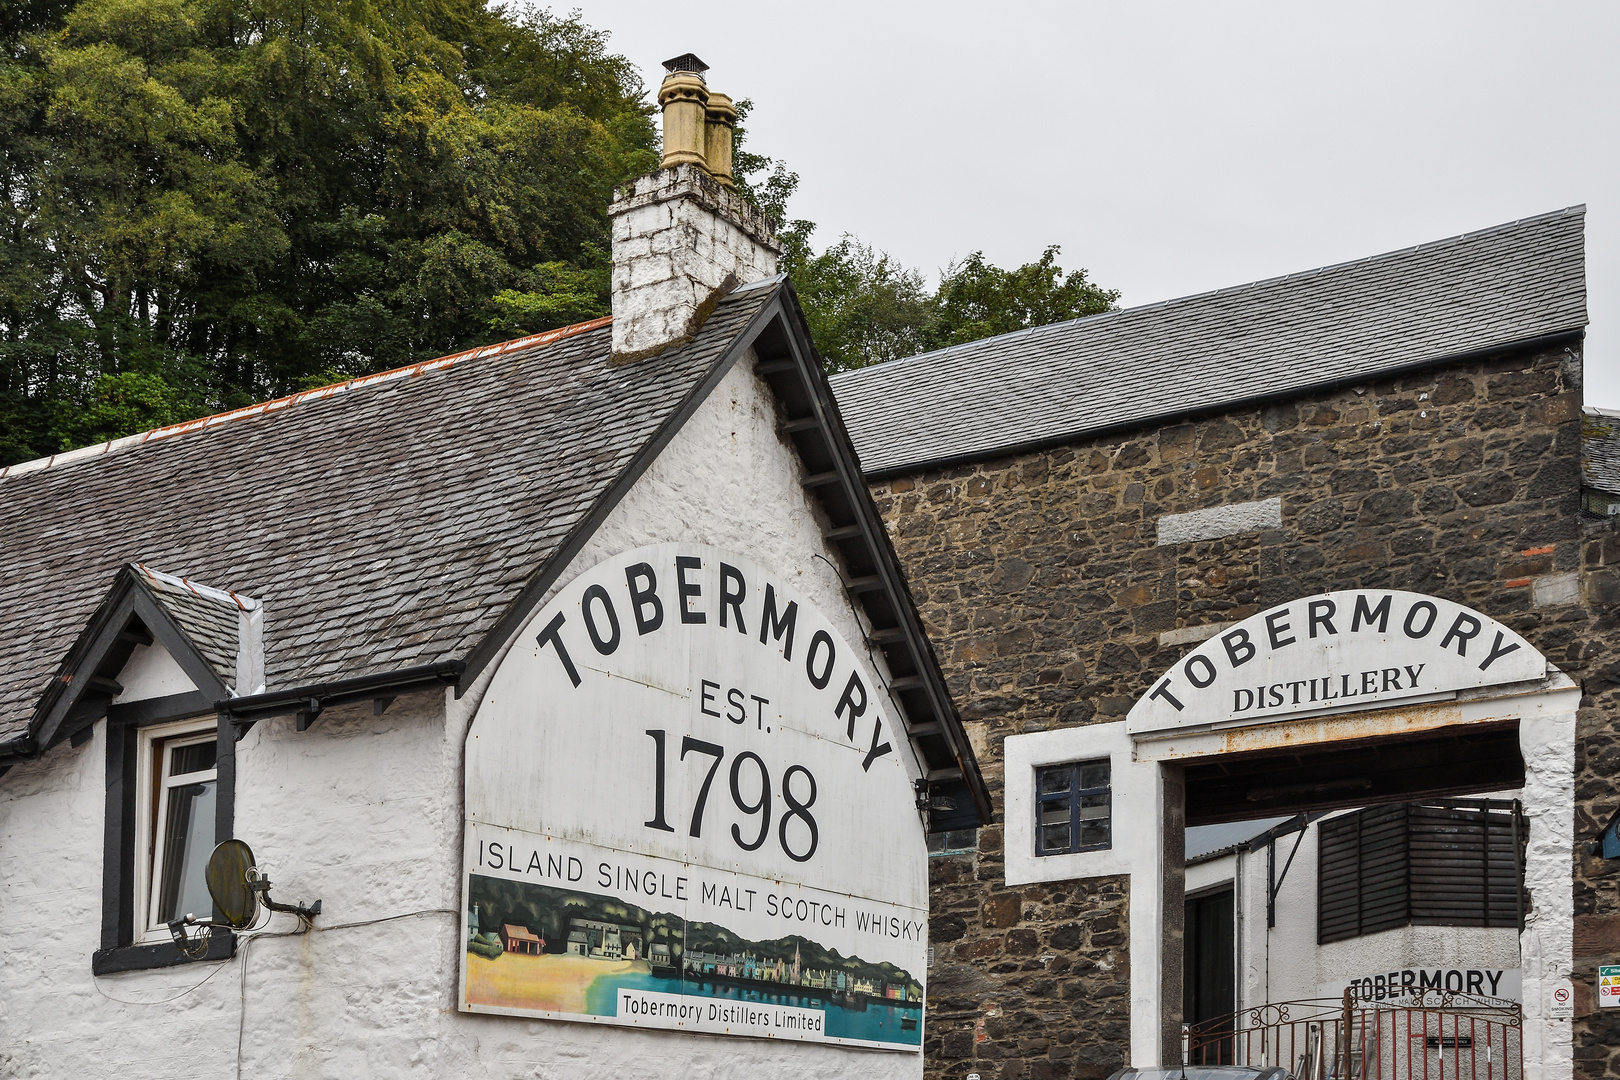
x,y
1208,996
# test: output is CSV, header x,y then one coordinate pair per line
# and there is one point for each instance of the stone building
x,y
598,628
1095,516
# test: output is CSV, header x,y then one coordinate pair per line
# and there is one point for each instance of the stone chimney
x,y
682,236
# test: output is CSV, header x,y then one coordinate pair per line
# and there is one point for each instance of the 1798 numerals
x,y
753,765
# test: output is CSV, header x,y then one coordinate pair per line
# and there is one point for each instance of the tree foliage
x,y
208,203
864,308
211,202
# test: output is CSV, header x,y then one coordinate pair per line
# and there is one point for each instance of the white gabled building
x,y
597,627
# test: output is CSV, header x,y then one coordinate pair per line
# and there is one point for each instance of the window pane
x,y
1094,833
1094,806
188,839
952,840
1054,813
1094,774
1054,780
198,757
1055,837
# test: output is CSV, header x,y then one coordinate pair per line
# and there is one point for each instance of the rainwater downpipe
x,y
1239,974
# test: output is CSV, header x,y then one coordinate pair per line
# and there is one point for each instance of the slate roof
x,y
388,525
1354,320
1600,449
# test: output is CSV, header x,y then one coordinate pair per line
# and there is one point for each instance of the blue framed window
x,y
1073,808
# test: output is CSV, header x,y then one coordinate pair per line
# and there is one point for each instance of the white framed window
x,y
176,788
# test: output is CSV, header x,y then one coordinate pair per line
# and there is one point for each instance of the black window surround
x,y
133,619
1073,808
120,950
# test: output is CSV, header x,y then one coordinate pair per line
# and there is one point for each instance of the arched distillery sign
x,y
1332,653
687,808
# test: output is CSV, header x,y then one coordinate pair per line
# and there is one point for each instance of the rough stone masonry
x,y
1053,602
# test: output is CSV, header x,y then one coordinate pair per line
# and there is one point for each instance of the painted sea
x,y
876,1023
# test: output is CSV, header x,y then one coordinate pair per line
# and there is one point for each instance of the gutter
x,y
310,700
18,748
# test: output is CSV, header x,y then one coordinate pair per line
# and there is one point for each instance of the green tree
x,y
210,202
978,300
864,308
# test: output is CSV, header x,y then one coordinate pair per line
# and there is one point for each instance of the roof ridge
x,y
1568,211
287,401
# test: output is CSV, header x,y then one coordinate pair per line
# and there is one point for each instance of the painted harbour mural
x,y
537,949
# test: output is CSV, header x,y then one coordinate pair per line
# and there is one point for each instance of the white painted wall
x,y
364,812
151,672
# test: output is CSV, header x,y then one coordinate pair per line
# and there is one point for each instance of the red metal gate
x,y
1429,1035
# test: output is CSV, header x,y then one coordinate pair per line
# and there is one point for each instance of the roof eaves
x,y
895,587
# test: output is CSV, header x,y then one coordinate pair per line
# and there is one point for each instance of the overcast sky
x,y
1172,147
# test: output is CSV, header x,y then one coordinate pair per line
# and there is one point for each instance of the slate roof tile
x,y
1494,287
291,505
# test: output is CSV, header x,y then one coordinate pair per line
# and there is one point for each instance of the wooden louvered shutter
x,y
1362,874
1446,863
1464,864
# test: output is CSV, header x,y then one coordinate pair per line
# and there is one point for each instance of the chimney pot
x,y
722,122
684,99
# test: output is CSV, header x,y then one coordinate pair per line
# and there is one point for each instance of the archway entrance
x,y
1339,703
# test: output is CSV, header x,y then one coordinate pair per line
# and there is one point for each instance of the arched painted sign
x,y
1332,653
687,808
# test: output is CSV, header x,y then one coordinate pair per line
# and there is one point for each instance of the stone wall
x,y
1053,602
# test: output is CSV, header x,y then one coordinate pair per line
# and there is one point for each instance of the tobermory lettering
x,y
736,604
1341,650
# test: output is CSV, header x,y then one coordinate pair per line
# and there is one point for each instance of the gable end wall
x,y
364,812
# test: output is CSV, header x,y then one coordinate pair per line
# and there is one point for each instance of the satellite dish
x,y
227,877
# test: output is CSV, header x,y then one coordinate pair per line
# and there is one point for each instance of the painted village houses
x,y
1284,627
530,677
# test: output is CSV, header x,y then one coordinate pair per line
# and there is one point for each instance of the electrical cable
x,y
96,981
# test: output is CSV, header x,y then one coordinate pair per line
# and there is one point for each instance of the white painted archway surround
x,y
1485,674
